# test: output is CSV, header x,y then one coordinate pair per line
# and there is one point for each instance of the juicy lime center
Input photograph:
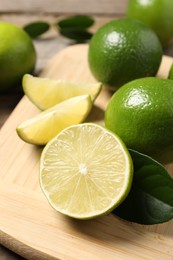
x,y
83,169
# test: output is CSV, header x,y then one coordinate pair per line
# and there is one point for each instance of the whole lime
x,y
141,113
17,55
158,14
123,50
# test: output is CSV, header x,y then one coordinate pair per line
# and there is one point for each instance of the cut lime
x,y
46,125
44,92
85,171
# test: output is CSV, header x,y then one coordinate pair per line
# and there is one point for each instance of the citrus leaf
x,y
150,200
78,21
79,35
36,29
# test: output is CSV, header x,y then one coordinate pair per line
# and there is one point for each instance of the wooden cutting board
x,y
28,224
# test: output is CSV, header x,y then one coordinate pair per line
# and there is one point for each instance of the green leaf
x,y
79,35
150,200
36,29
78,21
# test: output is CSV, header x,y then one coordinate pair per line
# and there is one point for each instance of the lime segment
x,y
85,171
44,92
46,125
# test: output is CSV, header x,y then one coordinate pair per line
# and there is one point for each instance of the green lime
x,y
141,113
123,50
17,55
158,14
85,171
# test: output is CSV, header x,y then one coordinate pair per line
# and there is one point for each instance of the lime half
x,y
85,171
45,92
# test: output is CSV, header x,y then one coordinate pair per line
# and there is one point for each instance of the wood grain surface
x,y
30,227
66,6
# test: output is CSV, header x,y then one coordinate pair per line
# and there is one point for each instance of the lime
x,y
123,50
17,55
46,125
44,92
85,171
158,14
141,113
170,76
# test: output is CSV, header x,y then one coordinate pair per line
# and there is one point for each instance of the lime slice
x,y
46,125
85,171
44,92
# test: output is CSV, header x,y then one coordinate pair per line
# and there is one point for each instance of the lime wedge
x,y
45,93
46,125
85,171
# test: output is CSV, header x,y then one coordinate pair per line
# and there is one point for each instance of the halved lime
x,y
44,92
46,125
85,171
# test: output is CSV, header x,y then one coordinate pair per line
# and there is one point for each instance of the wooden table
x,y
51,43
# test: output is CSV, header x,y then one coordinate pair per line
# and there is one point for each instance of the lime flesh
x,y
85,171
46,125
45,92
